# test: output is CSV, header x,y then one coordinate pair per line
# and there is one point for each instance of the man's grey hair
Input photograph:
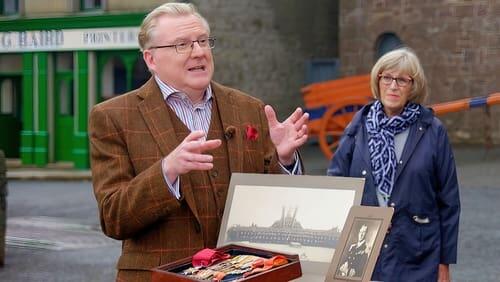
x,y
147,29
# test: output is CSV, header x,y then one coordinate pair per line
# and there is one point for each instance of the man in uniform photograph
x,y
356,257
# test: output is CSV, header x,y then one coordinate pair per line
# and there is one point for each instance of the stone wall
x,y
133,5
458,42
37,8
262,46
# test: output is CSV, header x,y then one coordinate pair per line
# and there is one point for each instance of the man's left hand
x,y
288,135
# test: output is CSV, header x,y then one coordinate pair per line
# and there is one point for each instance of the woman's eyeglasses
x,y
400,81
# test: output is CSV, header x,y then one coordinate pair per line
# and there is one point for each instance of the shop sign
x,y
69,39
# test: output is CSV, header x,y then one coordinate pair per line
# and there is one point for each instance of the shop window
x,y
120,81
64,82
91,4
64,61
7,97
66,97
9,7
114,79
11,63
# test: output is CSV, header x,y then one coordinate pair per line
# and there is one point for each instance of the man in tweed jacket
x,y
162,155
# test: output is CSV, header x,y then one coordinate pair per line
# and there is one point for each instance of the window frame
x,y
12,13
98,7
7,103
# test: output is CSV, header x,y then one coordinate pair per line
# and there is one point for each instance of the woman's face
x,y
394,87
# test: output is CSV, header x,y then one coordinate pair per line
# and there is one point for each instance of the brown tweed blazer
x,y
129,135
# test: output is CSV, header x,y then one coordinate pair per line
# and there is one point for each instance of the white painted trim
x,y
92,79
69,39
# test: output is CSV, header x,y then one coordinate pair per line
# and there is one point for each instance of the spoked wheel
x,y
335,120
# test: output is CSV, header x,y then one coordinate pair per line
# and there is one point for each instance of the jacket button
x,y
214,173
393,204
385,246
420,128
363,172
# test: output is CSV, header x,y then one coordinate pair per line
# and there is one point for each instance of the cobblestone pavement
x,y
53,231
53,234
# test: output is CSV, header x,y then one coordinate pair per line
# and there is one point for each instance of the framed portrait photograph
x,y
359,244
301,214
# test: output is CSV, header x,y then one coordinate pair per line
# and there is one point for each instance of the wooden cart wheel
x,y
335,120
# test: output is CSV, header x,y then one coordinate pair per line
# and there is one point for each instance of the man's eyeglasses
x,y
187,46
400,81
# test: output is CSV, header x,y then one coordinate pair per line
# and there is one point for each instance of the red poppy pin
x,y
252,133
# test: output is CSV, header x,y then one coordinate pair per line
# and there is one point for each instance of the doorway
x,y
63,107
10,114
119,72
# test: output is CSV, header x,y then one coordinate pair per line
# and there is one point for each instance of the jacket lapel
x,y
363,139
414,136
155,113
417,130
357,129
228,112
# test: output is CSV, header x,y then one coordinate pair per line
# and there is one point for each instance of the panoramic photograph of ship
x,y
286,230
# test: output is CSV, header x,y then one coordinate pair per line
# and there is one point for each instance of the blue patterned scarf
x,y
381,132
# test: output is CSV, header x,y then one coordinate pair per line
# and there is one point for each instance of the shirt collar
x,y
167,90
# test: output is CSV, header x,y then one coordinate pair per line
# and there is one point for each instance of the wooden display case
x,y
291,270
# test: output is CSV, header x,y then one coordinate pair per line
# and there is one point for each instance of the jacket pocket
x,y
416,238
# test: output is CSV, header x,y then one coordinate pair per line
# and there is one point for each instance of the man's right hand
x,y
189,156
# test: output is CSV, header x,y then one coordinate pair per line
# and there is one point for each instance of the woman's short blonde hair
x,y
147,29
405,61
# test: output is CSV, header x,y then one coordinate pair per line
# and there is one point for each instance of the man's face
x,y
189,72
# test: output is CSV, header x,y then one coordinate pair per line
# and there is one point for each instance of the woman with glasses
x,y
403,152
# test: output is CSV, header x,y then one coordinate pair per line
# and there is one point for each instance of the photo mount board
x,y
377,220
263,209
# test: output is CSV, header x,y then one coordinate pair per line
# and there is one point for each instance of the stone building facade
x,y
458,42
263,46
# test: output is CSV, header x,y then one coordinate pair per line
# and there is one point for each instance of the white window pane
x,y
66,97
64,61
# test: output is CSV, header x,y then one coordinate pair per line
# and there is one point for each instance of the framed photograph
x,y
300,214
359,244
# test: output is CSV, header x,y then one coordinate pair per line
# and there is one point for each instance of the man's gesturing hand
x,y
189,156
288,135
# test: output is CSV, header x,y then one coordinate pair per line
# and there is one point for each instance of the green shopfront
x,y
52,71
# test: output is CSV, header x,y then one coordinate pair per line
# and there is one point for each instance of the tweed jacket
x,y
129,136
